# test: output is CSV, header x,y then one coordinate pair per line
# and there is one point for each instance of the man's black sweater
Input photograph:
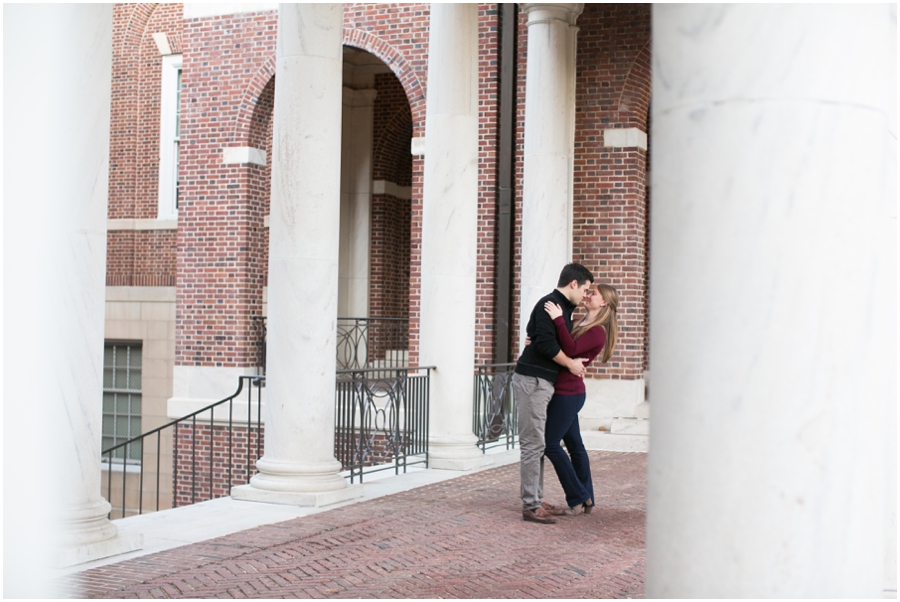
x,y
537,358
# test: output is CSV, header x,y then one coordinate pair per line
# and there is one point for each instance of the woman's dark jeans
x,y
562,425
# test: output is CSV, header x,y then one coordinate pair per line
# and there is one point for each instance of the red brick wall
x,y
138,258
120,258
227,60
389,257
610,210
390,217
193,479
392,129
228,81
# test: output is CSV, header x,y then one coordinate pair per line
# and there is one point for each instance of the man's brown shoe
x,y
554,510
538,515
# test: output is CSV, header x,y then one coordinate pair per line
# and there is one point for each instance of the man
x,y
532,382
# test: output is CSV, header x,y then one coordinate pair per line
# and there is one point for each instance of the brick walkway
x,y
461,538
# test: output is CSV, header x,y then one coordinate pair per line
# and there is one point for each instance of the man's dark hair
x,y
574,271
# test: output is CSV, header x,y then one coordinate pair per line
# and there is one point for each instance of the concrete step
x,y
605,441
630,426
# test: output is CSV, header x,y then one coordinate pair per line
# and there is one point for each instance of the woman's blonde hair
x,y
607,319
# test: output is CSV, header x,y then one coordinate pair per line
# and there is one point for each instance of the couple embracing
x,y
549,388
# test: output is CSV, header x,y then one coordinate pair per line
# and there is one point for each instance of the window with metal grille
x,y
122,399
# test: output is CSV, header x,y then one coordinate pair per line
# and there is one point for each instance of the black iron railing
x,y
381,419
209,455
372,343
495,421
361,342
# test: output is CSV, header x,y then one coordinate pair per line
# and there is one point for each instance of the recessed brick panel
x,y
389,257
392,130
221,236
134,143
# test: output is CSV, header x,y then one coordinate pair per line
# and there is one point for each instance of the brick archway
x,y
635,94
242,126
357,38
390,56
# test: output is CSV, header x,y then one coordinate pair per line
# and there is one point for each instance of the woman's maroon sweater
x,y
588,345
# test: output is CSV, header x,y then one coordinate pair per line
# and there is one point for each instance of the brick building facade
x,y
184,233
213,260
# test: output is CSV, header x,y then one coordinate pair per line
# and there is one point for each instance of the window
x,y
122,399
169,136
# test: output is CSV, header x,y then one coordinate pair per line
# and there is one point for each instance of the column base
x,y
456,455
249,493
120,544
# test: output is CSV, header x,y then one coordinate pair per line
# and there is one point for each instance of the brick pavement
x,y
461,538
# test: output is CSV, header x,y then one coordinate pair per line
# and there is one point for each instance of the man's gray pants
x,y
532,396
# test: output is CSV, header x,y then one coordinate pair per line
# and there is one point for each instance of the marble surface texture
x,y
549,142
52,408
774,300
356,201
303,264
449,225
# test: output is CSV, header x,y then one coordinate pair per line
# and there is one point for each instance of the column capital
x,y
545,12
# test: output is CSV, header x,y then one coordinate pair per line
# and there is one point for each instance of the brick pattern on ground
x,y
462,538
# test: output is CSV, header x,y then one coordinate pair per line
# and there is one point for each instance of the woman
x,y
594,335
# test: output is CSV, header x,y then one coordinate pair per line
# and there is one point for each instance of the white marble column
x,y
356,202
549,150
298,466
57,166
449,223
773,311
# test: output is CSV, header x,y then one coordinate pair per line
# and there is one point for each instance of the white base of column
x,y
609,399
120,544
249,493
297,484
456,454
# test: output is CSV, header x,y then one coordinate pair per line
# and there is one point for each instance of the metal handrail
x,y
385,369
381,423
255,381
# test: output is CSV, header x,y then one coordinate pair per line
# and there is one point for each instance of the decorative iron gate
x,y
495,421
381,419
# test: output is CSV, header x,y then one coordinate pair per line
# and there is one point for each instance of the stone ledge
x,y
625,138
195,10
119,225
630,426
460,464
152,294
602,441
249,493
